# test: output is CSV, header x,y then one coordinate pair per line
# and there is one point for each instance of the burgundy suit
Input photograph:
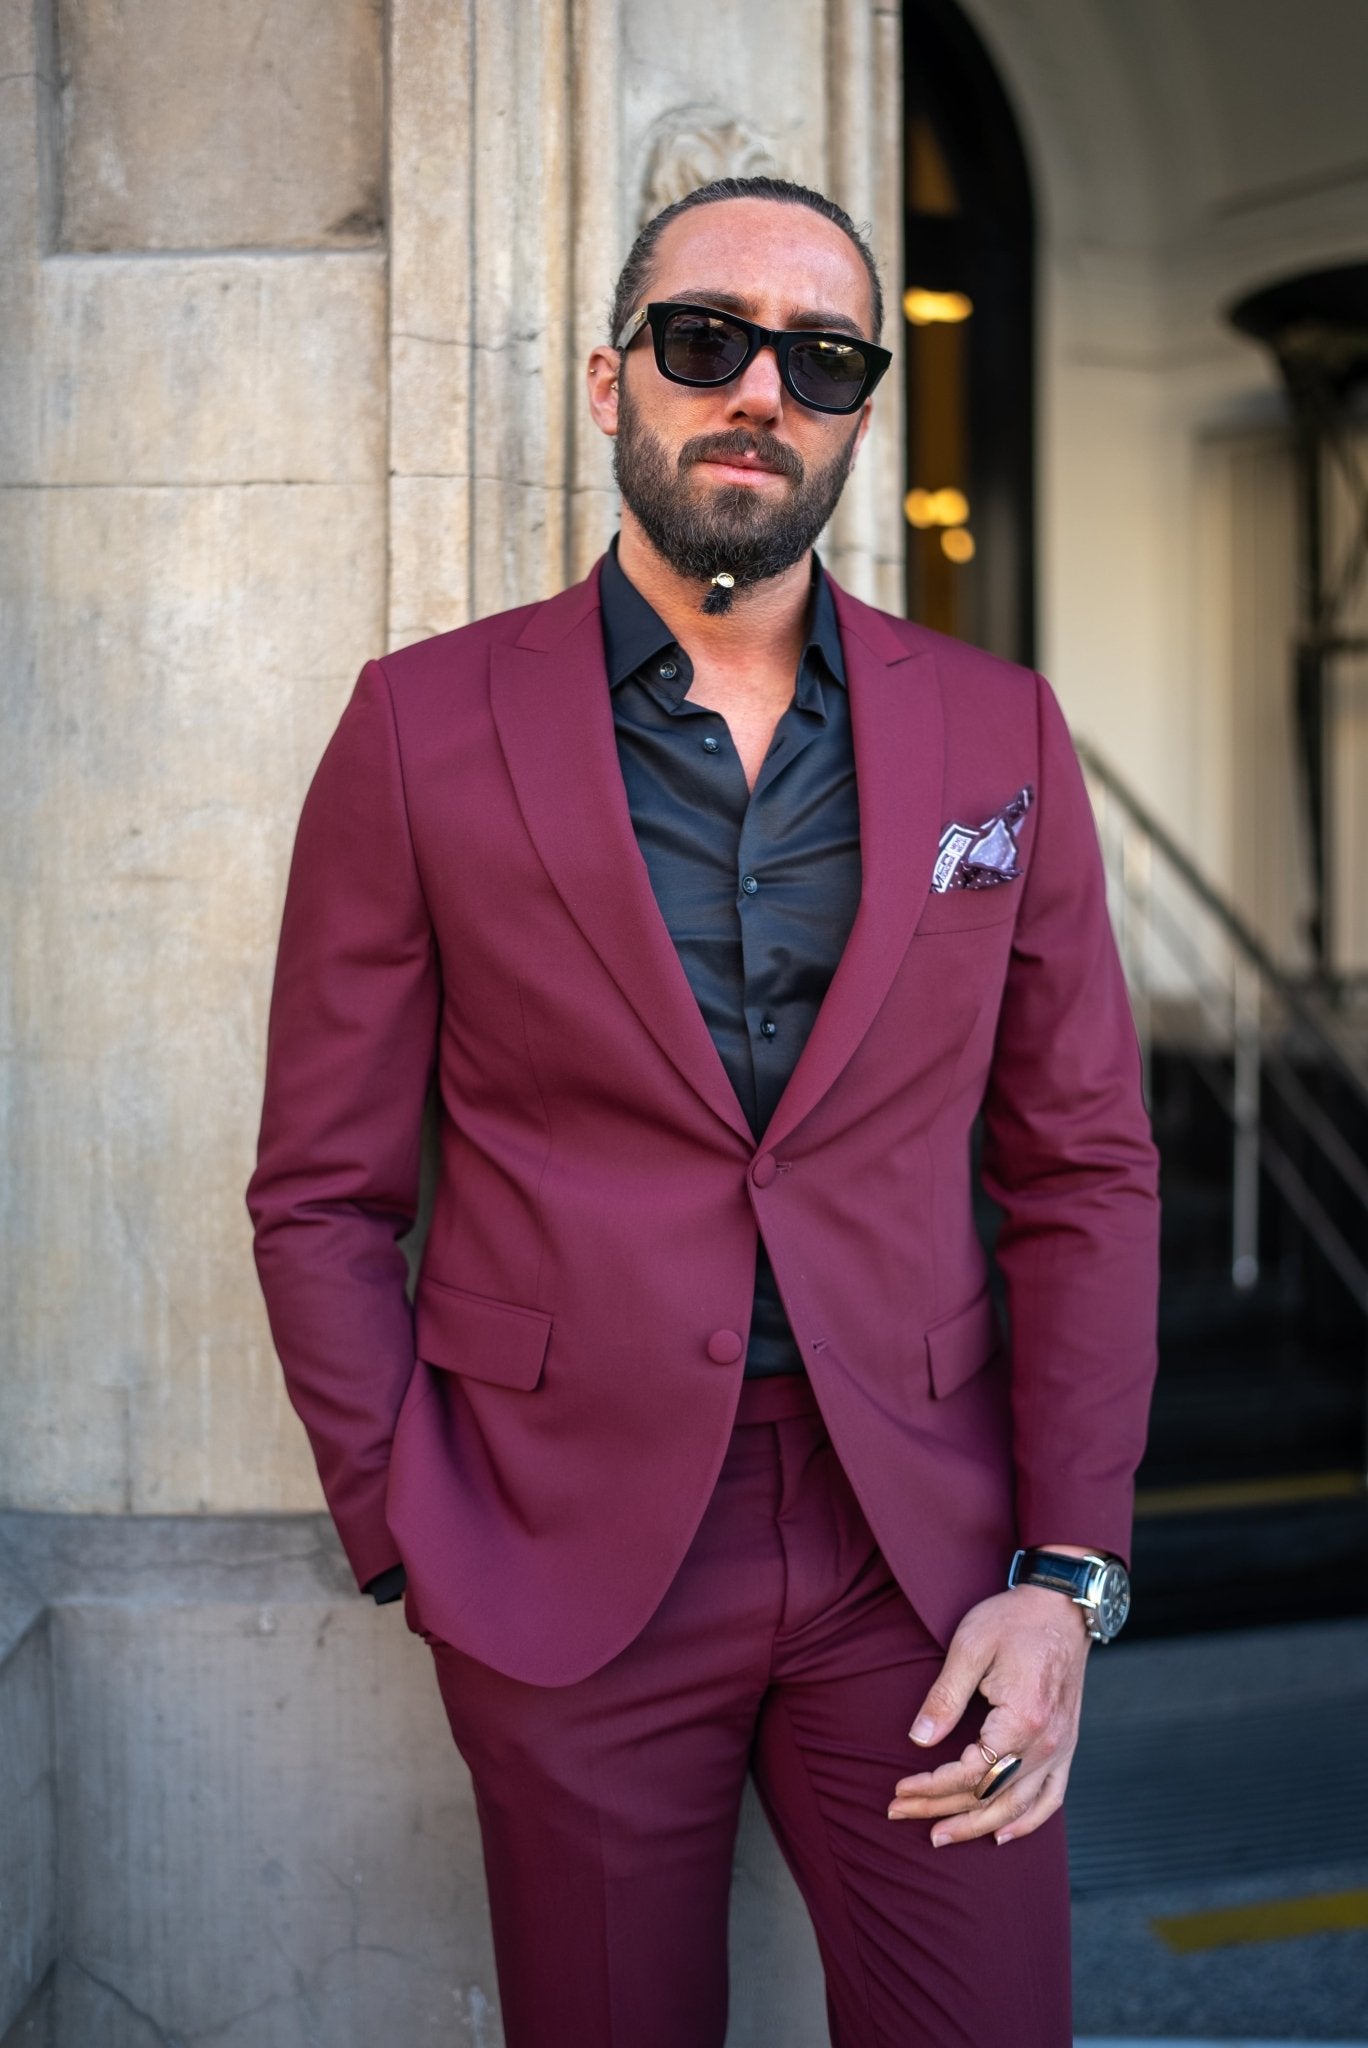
x,y
539,1437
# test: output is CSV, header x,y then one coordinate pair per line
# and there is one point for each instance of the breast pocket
x,y
480,1338
966,910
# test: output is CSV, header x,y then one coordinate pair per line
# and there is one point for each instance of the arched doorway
x,y
969,237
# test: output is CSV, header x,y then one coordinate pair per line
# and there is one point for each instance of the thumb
x,y
947,1699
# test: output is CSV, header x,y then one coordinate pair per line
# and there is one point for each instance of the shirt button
x,y
725,1347
768,1028
749,884
668,671
710,745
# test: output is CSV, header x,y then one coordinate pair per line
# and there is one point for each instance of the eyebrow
x,y
818,319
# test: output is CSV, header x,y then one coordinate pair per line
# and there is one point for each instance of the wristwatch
x,y
1099,1584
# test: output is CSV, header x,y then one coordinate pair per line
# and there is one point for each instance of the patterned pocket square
x,y
979,857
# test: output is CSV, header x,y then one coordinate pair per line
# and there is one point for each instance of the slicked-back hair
x,y
631,283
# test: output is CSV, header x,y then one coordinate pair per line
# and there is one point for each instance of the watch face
x,y
1113,1601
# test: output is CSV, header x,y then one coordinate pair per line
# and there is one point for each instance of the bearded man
x,y
721,907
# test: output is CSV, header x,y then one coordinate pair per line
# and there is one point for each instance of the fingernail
x,y
892,1813
1003,1838
941,1841
922,1730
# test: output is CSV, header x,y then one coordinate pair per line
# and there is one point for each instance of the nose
x,y
758,393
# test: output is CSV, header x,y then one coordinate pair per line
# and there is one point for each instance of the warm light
x,y
926,309
958,544
936,508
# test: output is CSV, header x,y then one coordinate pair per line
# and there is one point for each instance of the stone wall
x,y
293,308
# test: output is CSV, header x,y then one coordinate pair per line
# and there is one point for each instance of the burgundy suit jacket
x,y
537,1435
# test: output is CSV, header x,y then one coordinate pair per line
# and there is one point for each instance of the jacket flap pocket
x,y
958,1347
480,1338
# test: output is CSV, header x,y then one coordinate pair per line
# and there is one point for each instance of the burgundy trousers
x,y
609,1808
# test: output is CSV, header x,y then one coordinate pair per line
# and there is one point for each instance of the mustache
x,y
721,447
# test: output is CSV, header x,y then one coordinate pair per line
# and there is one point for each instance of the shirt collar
x,y
634,632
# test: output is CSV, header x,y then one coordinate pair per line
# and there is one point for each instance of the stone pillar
x,y
194,544
865,172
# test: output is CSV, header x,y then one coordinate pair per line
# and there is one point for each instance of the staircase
x,y
1251,1504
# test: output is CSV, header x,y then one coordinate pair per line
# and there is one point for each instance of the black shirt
x,y
758,888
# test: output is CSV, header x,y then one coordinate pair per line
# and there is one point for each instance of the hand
x,y
1024,1651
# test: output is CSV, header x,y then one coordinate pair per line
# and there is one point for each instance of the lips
x,y
741,459
731,467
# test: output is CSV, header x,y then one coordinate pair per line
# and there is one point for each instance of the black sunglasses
x,y
699,345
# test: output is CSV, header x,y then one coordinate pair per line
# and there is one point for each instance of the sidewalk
x,y
1219,1841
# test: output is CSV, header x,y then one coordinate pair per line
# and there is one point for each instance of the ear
x,y
601,375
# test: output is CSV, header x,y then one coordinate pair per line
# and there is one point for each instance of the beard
x,y
732,529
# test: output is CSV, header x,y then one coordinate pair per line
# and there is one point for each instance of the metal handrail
x,y
1229,919
1233,995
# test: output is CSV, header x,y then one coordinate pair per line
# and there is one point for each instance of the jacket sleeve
x,y
350,1051
1069,1158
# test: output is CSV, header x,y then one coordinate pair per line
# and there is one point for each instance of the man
x,y
721,905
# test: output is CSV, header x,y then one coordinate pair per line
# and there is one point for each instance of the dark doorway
x,y
969,319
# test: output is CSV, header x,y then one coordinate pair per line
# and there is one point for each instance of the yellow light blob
x,y
927,309
947,507
958,544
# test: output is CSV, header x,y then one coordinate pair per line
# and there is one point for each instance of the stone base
x,y
244,1818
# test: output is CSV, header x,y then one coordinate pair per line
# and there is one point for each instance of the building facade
x,y
293,312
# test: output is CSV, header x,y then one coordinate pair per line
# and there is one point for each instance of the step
x,y
1250,1565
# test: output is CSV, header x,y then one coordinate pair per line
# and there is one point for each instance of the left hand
x,y
1024,1651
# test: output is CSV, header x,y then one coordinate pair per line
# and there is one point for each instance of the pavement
x,y
1218,1818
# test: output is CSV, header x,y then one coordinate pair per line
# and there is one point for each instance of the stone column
x,y
193,510
865,172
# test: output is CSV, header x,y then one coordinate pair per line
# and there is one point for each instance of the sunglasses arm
x,y
632,329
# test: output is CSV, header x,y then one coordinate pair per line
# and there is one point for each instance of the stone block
x,y
432,64
189,658
429,403
28,1815
481,178
760,62
21,383
29,120
429,556
234,369
228,126
268,1835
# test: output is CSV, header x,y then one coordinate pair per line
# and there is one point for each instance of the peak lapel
x,y
553,714
897,729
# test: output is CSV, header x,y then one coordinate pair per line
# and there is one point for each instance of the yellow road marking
x,y
1270,1920
1246,1493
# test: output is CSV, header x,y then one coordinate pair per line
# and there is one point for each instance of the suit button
x,y
724,1347
763,1170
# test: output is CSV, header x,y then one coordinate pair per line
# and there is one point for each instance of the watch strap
x,y
1052,1568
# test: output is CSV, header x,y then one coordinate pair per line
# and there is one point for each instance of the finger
x,y
961,1774
1050,1800
1007,1817
948,1697
932,1795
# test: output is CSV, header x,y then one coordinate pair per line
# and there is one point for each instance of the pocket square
x,y
981,856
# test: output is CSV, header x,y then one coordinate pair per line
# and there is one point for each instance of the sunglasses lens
x,y
703,348
828,373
